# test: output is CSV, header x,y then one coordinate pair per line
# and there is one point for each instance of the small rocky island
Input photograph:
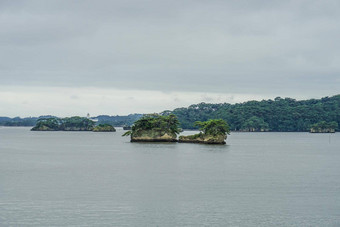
x,y
212,132
70,124
126,127
104,128
154,128
324,127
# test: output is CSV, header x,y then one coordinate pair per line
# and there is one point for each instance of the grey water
x,y
101,179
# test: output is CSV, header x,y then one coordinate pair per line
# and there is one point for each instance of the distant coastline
x,y
278,115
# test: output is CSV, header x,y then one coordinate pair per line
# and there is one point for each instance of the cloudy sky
x,y
139,56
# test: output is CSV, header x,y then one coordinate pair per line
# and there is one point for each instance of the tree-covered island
x,y
154,128
64,124
104,128
213,131
70,124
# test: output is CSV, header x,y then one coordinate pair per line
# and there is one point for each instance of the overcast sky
x,y
119,56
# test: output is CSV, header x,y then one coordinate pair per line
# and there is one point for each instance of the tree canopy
x,y
104,128
254,124
280,114
167,123
213,127
323,125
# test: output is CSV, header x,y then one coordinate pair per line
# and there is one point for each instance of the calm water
x,y
100,179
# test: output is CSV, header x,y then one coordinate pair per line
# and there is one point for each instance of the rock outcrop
x,y
324,127
205,139
104,128
213,131
153,135
318,130
44,128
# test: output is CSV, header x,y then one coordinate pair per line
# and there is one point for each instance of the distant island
x,y
71,124
154,128
104,128
278,115
116,121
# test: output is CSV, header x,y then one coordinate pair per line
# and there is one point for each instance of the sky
x,y
118,57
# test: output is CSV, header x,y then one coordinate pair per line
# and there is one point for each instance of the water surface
x,y
101,179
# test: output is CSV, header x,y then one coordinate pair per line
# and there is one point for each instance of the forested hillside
x,y
118,121
280,114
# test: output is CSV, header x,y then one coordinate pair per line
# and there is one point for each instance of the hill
x,y
280,114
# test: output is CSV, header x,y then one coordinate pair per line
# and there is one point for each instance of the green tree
x,y
48,123
168,124
213,127
281,114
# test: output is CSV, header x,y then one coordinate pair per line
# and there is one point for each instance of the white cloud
x,y
203,48
66,101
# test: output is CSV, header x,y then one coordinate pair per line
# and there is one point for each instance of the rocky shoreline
x,y
153,135
204,139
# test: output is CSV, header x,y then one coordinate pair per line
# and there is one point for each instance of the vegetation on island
x,y
213,131
104,128
64,124
154,128
48,124
324,127
280,114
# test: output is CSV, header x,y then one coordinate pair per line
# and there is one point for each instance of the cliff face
x,y
77,129
153,135
43,128
201,138
254,130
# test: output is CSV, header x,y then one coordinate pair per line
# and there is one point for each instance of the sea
x,y
101,179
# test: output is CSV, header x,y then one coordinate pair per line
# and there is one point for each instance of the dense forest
x,y
280,114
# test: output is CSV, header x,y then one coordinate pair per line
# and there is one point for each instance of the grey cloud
x,y
259,47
